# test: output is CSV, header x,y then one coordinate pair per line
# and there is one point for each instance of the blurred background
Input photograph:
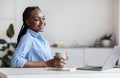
x,y
69,22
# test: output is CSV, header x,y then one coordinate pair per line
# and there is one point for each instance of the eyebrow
x,y
43,16
40,17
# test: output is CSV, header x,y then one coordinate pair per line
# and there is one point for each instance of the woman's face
x,y
36,21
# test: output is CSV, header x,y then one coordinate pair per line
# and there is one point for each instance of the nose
x,y
42,21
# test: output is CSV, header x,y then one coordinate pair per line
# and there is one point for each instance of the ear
x,y
27,22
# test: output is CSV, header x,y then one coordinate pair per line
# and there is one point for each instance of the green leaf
x,y
9,53
8,46
5,61
2,41
13,44
10,31
4,48
108,37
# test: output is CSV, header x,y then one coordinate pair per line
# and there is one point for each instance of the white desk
x,y
45,73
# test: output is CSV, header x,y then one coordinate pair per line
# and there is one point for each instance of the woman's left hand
x,y
60,62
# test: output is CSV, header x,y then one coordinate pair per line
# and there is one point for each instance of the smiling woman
x,y
33,50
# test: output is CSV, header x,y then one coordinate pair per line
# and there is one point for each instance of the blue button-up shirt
x,y
32,47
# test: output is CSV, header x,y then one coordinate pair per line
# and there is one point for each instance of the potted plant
x,y
6,47
106,40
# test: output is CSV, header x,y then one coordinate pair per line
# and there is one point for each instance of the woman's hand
x,y
56,62
59,62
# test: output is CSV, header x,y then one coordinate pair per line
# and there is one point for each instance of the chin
x,y
41,30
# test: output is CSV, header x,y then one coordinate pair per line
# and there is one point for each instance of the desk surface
x,y
46,73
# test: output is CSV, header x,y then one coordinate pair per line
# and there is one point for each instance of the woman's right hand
x,y
56,62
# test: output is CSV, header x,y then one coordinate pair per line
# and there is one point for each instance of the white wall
x,y
118,25
7,16
116,21
81,21
71,21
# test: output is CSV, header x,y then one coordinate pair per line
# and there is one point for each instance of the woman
x,y
32,49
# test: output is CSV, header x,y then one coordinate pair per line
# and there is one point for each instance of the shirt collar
x,y
33,33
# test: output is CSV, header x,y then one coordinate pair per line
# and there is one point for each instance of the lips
x,y
42,26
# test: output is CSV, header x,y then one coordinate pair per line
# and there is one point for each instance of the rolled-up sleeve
x,y
18,58
18,62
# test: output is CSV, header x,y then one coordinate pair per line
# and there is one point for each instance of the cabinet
x,y
85,56
75,56
96,56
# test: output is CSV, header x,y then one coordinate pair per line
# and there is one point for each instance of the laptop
x,y
109,62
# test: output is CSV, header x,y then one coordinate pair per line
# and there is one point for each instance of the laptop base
x,y
93,68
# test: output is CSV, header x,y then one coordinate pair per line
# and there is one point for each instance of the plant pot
x,y
106,43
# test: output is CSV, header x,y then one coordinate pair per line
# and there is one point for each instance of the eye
x,y
36,19
43,18
39,18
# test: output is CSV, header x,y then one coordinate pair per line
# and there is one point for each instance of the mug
x,y
61,55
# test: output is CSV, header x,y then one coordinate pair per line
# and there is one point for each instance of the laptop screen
x,y
109,62
112,58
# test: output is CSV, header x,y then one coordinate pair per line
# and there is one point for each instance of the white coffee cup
x,y
60,55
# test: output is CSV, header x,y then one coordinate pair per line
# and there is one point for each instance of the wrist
x,y
50,63
46,64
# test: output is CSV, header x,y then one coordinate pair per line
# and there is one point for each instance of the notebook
x,y
65,68
109,62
